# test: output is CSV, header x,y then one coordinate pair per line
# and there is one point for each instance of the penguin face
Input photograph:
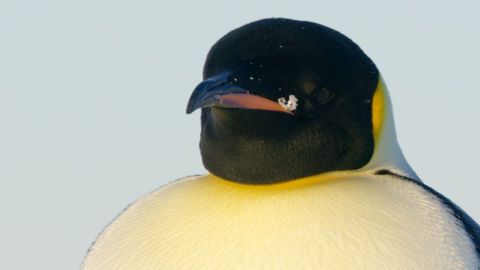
x,y
283,100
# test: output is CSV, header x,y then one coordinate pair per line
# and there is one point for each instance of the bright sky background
x,y
93,97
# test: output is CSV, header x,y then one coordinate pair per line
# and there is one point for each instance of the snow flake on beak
x,y
291,105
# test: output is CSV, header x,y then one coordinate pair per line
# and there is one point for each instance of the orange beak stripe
x,y
247,101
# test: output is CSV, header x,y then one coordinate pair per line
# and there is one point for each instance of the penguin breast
x,y
362,222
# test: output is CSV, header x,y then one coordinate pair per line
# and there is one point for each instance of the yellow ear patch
x,y
378,108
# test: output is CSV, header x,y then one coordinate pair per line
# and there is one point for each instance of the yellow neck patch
x,y
298,183
378,108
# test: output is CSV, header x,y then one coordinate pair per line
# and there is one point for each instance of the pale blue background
x,y
93,97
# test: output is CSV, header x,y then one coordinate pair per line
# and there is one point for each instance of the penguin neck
x,y
387,153
297,183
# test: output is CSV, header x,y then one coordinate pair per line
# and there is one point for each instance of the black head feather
x,y
330,76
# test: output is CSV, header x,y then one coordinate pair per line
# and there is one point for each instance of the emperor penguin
x,y
304,170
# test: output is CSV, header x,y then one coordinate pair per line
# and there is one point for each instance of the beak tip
x,y
192,103
204,94
189,109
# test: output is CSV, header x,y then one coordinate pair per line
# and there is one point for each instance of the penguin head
x,y
284,100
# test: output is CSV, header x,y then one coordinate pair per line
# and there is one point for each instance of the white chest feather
x,y
370,222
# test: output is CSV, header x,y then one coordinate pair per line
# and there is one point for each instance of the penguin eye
x,y
323,95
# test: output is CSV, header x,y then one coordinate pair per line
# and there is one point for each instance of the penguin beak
x,y
217,92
